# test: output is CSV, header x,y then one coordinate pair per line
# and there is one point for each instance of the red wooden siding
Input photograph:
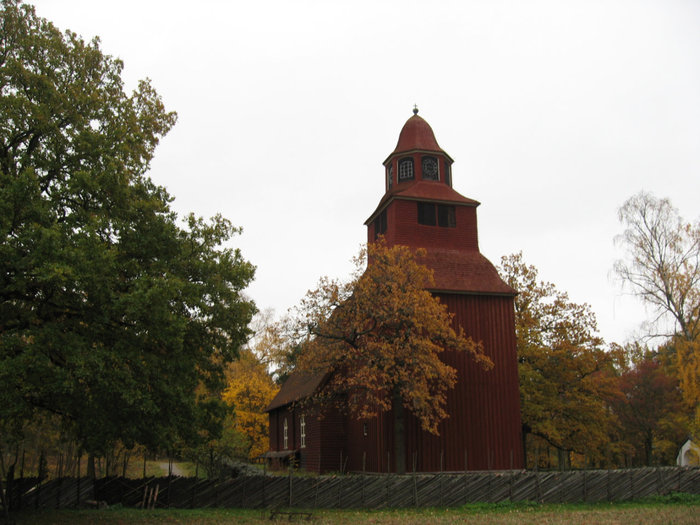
x,y
483,430
403,228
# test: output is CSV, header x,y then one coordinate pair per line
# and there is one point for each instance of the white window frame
x,y
285,434
407,169
302,431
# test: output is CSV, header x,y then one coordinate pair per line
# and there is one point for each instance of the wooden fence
x,y
357,491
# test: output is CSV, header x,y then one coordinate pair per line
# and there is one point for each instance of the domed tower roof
x,y
417,135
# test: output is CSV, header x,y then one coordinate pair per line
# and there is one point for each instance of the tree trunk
x,y
91,466
4,502
564,458
648,448
397,409
525,430
43,466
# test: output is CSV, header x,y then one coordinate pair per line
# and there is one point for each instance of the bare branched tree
x,y
662,262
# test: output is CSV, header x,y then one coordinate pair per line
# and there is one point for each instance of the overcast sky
x,y
554,111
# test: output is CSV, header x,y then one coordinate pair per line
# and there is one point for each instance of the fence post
x,y
632,483
388,498
318,482
341,480
170,477
37,497
364,482
510,486
77,489
194,492
4,500
58,492
466,479
415,485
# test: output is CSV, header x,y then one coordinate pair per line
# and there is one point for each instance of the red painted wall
x,y
484,429
325,449
403,228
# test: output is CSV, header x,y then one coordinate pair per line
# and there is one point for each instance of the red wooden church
x,y
420,209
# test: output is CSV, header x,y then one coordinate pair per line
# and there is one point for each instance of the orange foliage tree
x,y
379,336
565,373
250,390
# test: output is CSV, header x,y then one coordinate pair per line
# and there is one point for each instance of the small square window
x,y
446,216
426,213
436,215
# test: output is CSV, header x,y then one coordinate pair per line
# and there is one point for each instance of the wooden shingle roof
x,y
297,386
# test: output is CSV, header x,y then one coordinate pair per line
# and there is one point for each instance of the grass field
x,y
679,509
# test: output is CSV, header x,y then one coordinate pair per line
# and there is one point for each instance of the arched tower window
x,y
405,169
380,225
429,167
448,174
390,176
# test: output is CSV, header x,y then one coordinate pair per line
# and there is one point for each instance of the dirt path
x,y
177,471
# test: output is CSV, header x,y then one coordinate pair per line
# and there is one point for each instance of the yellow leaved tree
x,y
688,370
249,391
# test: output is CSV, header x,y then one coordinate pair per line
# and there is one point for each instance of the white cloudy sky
x,y
554,111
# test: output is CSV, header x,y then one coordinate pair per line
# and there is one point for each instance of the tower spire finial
x,y
415,109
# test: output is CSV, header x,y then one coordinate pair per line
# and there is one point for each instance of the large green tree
x,y
112,312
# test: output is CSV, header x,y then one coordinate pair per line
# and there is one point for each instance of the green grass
x,y
677,509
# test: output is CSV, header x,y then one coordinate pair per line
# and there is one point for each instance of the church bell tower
x,y
421,209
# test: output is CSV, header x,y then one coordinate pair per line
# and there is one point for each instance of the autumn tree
x,y
649,411
662,262
112,312
565,373
249,391
379,336
662,267
275,344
